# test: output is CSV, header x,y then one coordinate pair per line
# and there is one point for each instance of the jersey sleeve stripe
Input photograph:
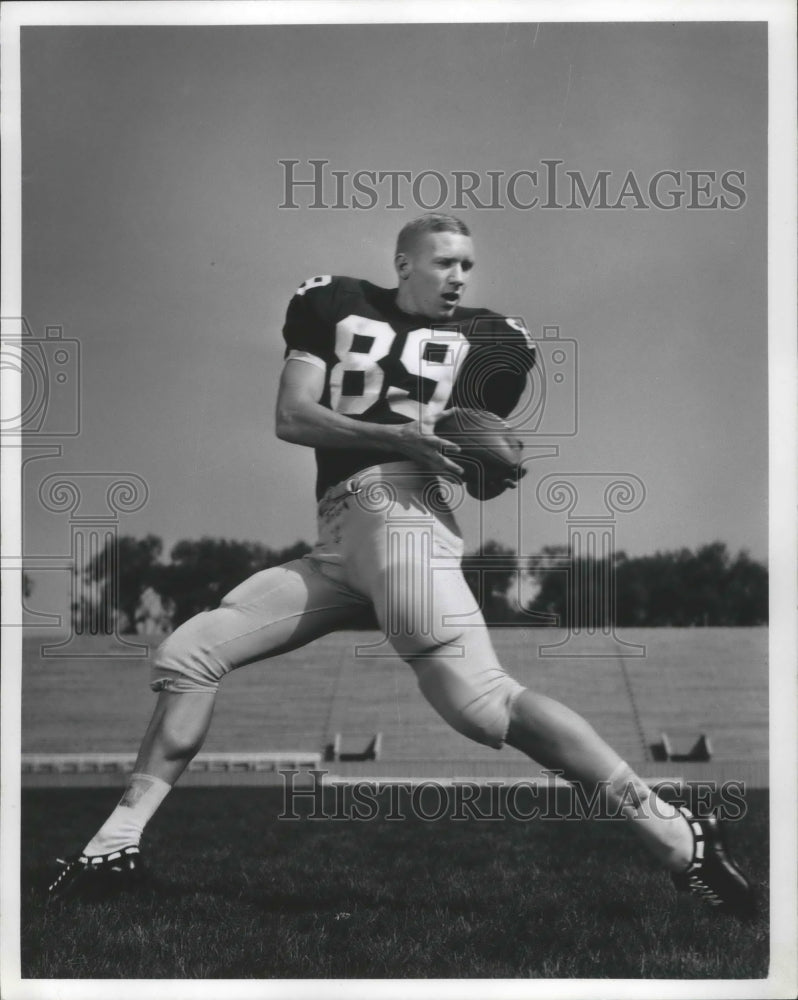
x,y
311,359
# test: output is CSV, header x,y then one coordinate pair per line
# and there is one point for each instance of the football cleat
x,y
98,877
712,875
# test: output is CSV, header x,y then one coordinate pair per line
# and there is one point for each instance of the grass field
x,y
239,893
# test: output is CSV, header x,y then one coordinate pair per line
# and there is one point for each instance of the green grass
x,y
240,894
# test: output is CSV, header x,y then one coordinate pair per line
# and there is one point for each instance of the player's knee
x,y
184,663
485,724
476,701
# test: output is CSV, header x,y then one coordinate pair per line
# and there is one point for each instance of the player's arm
x,y
498,364
301,419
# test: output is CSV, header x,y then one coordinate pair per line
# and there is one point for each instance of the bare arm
x,y
301,419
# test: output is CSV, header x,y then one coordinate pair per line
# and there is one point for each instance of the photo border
x,y
783,540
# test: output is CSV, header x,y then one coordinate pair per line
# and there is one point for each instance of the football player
x,y
368,372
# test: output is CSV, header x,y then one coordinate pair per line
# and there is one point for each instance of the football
x,y
490,452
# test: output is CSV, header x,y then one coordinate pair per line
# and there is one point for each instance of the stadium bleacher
x,y
690,682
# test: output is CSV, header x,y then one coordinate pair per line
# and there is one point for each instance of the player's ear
x,y
402,264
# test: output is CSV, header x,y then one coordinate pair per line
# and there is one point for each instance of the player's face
x,y
434,274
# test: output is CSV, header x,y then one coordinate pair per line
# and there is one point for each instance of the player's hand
x,y
419,442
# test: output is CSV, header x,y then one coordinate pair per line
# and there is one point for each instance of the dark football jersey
x,y
385,366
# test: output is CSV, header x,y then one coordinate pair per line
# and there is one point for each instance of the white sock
x,y
123,828
660,825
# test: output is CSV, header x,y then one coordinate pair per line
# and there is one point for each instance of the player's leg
x,y
562,740
468,687
431,616
175,733
274,611
692,849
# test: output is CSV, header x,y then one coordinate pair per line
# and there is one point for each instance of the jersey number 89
x,y
430,362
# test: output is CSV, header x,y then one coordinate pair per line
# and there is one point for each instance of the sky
x,y
153,236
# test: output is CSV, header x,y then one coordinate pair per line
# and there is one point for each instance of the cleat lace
x,y
74,871
705,891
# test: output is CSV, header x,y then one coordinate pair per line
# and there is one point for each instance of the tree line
x,y
131,589
707,587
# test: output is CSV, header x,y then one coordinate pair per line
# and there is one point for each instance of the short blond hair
x,y
433,222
